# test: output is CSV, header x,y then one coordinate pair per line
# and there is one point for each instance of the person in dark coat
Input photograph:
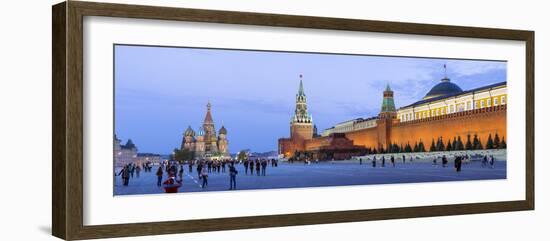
x,y
245,167
159,176
199,169
125,174
383,161
458,163
190,166
251,165
374,161
232,177
204,176
257,167
392,161
264,166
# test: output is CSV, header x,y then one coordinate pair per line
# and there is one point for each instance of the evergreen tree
x,y
242,155
408,148
440,145
489,144
459,145
477,143
432,147
469,145
502,144
449,146
415,149
181,155
496,141
454,144
421,147
401,148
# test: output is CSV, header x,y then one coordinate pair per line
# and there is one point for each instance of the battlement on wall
x,y
457,115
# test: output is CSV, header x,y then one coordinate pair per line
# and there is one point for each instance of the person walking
x,y
125,175
484,162
257,167
190,163
360,161
132,170
245,167
392,161
264,166
251,165
444,161
374,162
204,176
233,177
199,169
223,166
159,176
180,174
458,163
492,162
383,161
138,170
404,159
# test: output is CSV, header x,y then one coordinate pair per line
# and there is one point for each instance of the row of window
x,y
455,108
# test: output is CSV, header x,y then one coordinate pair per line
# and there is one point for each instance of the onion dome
x,y
201,131
445,87
189,132
223,131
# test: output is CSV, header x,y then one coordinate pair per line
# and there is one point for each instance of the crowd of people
x,y
459,160
170,173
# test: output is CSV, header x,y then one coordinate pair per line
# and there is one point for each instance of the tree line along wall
x,y
480,122
490,120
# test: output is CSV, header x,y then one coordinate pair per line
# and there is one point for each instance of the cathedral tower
x,y
301,124
210,140
222,141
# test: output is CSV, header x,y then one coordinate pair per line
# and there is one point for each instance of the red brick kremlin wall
x,y
482,122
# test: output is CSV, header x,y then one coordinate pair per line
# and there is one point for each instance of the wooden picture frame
x,y
67,152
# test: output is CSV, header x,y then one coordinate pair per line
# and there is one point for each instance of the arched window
x,y
503,100
495,101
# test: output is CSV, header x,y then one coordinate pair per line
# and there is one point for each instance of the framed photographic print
x,y
214,120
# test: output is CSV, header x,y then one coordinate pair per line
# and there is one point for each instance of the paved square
x,y
288,175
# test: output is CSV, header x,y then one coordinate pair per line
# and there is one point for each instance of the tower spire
x,y
301,88
446,78
387,103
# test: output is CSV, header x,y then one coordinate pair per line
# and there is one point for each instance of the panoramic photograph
x,y
204,119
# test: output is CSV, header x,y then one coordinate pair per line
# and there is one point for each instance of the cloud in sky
x,y
159,91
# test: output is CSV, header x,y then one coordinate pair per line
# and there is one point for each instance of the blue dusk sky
x,y
159,91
